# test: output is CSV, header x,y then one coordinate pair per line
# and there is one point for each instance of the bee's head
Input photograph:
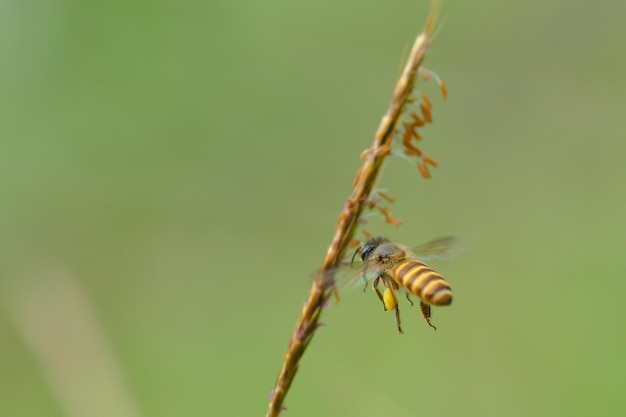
x,y
371,244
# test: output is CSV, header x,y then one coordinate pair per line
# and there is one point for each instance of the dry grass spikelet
x,y
360,199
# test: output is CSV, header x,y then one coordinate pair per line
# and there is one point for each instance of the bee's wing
x,y
443,248
351,275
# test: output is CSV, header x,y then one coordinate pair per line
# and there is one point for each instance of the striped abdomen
x,y
417,278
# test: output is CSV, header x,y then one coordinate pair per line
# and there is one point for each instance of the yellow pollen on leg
x,y
389,299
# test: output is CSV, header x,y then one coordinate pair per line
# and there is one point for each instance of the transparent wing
x,y
350,276
443,248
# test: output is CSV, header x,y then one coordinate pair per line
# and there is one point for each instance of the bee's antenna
x,y
357,251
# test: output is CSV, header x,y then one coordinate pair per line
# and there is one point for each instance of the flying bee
x,y
397,267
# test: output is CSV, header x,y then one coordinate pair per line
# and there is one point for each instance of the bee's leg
x,y
397,311
409,298
375,288
365,282
392,285
426,313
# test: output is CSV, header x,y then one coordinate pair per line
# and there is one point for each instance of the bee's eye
x,y
367,252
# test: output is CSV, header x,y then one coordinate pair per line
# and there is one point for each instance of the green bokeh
x,y
185,164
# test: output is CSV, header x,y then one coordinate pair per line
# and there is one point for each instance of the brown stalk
x,y
323,286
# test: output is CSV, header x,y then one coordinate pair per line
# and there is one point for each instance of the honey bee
x,y
397,267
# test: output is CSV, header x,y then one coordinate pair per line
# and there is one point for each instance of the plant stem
x,y
323,286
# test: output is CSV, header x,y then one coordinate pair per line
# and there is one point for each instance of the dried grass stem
x,y
322,288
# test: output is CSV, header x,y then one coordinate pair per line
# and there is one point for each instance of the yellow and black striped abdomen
x,y
417,278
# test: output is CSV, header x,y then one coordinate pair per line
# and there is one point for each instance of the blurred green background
x,y
184,163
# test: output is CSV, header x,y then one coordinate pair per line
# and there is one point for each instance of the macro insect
x,y
397,267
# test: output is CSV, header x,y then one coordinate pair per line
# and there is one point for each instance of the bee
x,y
396,267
